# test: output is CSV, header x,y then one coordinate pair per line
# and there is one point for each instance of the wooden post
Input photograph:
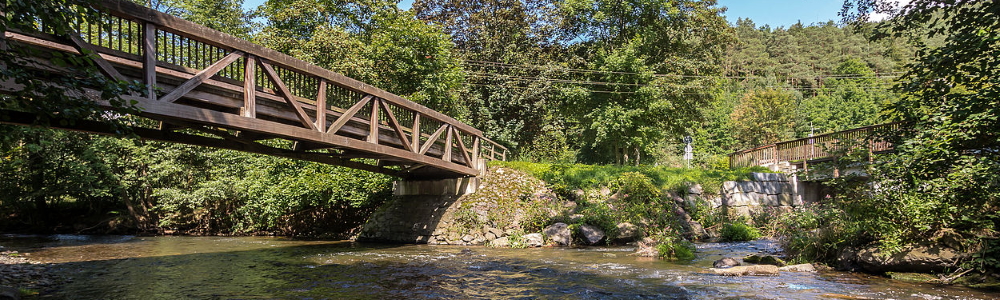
x,y
415,132
373,122
250,87
321,106
447,145
149,59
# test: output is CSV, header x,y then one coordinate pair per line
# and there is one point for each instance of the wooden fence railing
x,y
817,147
196,75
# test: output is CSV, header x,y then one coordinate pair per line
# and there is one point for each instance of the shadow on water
x,y
273,268
279,268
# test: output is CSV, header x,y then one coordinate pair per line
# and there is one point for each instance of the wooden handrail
x,y
809,148
206,75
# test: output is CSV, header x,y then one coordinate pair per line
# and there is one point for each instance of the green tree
x,y
944,176
854,97
764,117
372,41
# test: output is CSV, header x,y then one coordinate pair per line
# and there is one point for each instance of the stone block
x,y
768,177
747,186
729,187
785,199
770,187
770,200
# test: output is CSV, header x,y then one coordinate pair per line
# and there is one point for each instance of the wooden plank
x,y
149,59
91,52
373,122
463,149
321,106
433,138
475,150
199,78
447,145
289,98
395,125
209,36
21,118
250,87
415,132
348,114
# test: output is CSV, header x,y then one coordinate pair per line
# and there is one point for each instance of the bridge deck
x,y
242,93
816,148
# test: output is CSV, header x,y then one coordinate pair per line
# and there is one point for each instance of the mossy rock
x,y
764,260
913,277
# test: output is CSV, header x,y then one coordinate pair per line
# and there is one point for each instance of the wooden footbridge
x,y
815,149
211,89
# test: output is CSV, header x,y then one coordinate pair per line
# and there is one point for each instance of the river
x,y
128,267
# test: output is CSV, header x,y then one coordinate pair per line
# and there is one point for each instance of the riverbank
x,y
20,276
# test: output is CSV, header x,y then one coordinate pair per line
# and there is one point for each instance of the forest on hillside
x,y
565,81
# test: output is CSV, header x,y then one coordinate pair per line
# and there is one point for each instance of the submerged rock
x,y
559,233
913,277
726,263
9,293
758,270
591,234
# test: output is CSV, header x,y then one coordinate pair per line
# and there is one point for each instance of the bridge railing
x,y
183,62
817,147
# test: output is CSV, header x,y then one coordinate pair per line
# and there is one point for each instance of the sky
x,y
776,13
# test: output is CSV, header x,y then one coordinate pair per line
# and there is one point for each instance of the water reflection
x,y
275,268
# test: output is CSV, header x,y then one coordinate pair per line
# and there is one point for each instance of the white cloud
x,y
880,16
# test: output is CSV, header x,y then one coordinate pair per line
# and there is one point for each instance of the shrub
x,y
738,231
674,249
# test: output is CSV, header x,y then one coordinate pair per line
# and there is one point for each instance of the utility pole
x,y
688,151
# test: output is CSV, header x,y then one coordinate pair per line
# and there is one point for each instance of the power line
x,y
555,80
572,70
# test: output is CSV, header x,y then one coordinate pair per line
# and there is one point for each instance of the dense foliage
x,y
943,181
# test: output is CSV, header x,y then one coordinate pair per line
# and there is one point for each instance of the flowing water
x,y
127,267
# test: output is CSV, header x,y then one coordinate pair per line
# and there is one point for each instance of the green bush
x,y
673,249
738,231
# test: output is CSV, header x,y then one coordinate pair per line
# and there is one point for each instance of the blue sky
x,y
777,13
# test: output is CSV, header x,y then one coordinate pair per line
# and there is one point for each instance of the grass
x,y
580,176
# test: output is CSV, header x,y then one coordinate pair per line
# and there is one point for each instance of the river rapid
x,y
128,267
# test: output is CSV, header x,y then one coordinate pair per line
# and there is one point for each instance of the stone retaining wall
x,y
764,190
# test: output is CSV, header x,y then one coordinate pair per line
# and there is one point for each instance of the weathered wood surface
x,y
241,92
820,147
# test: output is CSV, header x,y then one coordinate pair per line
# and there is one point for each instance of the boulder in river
x,y
764,260
591,234
534,240
726,263
757,270
920,259
798,268
628,232
559,233
502,242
